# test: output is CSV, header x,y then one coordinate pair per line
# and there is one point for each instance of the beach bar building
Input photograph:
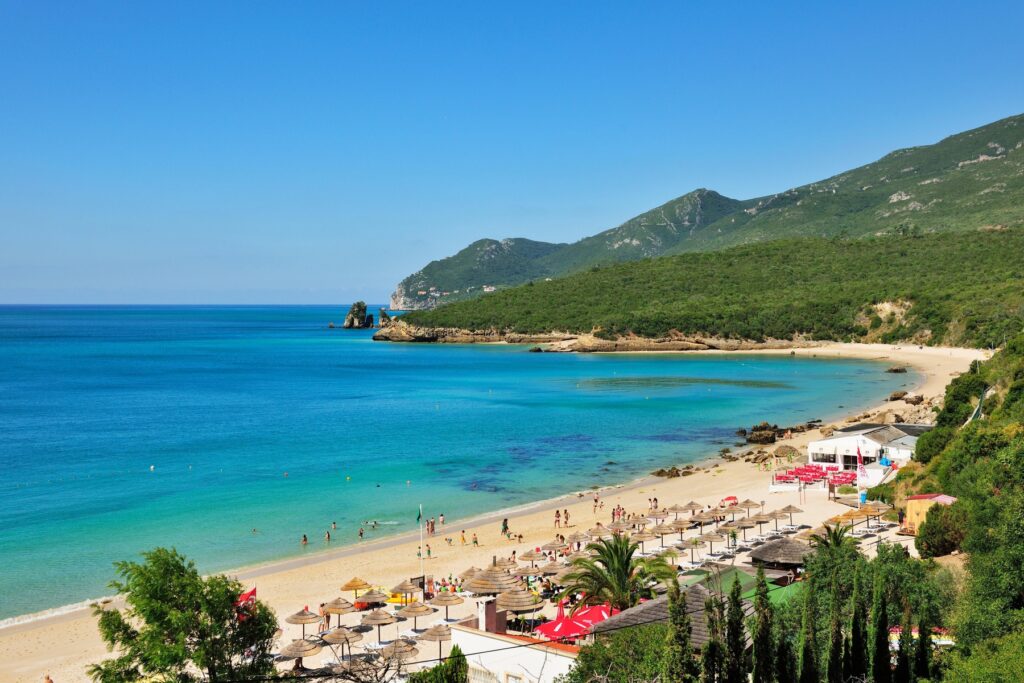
x,y
881,446
918,507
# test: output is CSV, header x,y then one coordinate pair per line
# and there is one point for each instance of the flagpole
x,y
422,574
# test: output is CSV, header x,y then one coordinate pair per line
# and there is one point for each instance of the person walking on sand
x,y
475,541
565,517
428,551
558,518
504,527
462,537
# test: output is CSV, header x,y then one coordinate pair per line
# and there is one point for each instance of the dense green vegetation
x,y
819,288
965,182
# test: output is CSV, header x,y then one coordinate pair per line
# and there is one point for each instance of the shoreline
x,y
282,581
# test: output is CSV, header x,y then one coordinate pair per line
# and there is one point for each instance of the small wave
x,y
52,612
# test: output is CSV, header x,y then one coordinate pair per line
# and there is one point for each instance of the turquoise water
x,y
221,402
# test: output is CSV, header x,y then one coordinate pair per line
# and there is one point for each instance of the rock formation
x,y
356,317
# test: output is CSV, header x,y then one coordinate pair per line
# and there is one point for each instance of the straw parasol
x,y
703,518
727,528
786,552
446,599
747,504
791,510
549,569
415,609
374,597
691,544
619,527
342,636
711,539
355,584
518,600
692,506
338,606
657,514
579,555
806,534
523,572
676,509
599,531
577,537
743,524
468,574
554,546
378,618
642,537
505,563
565,571
732,510
760,520
363,668
662,530
297,649
491,581
777,515
406,588
439,634
532,556
681,525
303,616
400,648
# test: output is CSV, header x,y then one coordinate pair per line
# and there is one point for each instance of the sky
x,y
310,153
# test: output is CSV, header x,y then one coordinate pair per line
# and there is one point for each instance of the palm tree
x,y
614,575
833,538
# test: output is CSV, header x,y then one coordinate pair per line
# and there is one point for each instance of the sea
x,y
228,432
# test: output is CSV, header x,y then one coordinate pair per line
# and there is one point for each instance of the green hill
x,y
952,288
967,181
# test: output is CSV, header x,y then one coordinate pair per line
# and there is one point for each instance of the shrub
x,y
942,531
933,442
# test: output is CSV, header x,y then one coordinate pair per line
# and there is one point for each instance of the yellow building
x,y
918,506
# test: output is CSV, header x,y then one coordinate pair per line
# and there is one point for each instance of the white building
x,y
877,442
504,658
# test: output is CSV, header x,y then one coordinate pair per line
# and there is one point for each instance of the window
x,y
514,678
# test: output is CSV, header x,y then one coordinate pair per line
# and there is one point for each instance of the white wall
x,y
536,664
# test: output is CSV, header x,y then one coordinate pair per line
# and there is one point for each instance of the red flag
x,y
861,472
245,601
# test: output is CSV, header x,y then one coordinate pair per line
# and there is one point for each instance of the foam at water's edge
x,y
52,612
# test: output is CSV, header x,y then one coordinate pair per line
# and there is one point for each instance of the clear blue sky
x,y
180,152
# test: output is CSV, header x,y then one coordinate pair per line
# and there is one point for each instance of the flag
x,y
419,515
861,472
244,603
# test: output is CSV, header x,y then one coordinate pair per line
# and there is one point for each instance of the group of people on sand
x,y
430,526
561,517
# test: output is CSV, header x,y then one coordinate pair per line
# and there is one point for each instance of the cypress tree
x,y
712,658
808,642
735,640
923,651
763,654
902,673
881,669
785,659
834,673
679,663
858,649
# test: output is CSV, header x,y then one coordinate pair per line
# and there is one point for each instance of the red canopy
x,y
579,624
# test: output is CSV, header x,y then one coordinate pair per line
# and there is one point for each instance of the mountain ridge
x,y
966,181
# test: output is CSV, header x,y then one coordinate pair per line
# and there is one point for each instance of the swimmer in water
x,y
305,541
327,537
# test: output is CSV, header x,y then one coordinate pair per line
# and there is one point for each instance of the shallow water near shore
x,y
125,428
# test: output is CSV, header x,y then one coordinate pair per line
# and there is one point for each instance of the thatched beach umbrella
x,y
505,563
657,515
378,618
532,556
337,606
691,545
579,555
298,649
438,633
446,599
791,510
491,581
641,538
727,529
375,597
711,539
732,510
662,530
676,509
559,578
355,584
704,518
406,588
682,526
743,524
777,515
358,668
549,569
342,636
747,504
760,520
468,574
619,527
415,609
303,616
599,531
523,572
553,546
577,537
400,648
518,600
693,506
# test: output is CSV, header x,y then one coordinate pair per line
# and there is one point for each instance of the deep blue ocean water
x,y
221,402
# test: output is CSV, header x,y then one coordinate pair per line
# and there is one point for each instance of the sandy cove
x,y
64,645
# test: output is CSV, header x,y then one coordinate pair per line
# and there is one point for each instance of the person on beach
x,y
419,552
504,527
441,517
305,541
558,518
428,551
475,541
360,533
462,537
565,517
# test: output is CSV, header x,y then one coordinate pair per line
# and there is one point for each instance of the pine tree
x,y
712,659
808,641
858,648
923,651
679,664
735,638
881,669
763,651
902,673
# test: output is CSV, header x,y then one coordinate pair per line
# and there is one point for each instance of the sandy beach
x,y
64,645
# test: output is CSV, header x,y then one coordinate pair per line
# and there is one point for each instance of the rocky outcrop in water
x,y
357,317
